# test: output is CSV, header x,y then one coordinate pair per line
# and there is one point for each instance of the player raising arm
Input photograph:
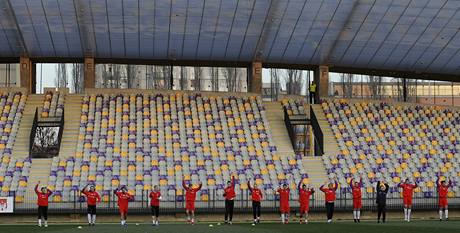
x,y
92,198
190,196
443,189
155,197
304,200
123,200
42,202
256,196
408,191
229,195
329,192
357,198
285,209
382,190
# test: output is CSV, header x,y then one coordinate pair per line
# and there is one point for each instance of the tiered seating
x,y
14,174
394,142
53,104
294,106
11,107
142,140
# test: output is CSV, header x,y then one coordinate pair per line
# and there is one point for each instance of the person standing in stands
x,y
329,192
304,200
229,195
443,190
312,90
42,202
256,196
123,200
92,198
155,197
357,198
408,191
190,196
382,190
285,209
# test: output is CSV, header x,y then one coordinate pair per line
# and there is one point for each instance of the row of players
x,y
305,193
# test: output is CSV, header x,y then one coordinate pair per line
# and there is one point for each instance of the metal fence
x,y
243,203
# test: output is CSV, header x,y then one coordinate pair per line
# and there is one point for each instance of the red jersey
x,y
304,195
92,197
356,189
329,192
443,190
408,190
155,198
42,198
229,192
284,195
190,193
256,194
123,198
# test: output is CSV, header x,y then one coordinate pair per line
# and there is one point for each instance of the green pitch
x,y
338,227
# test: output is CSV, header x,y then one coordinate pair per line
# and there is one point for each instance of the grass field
x,y
338,227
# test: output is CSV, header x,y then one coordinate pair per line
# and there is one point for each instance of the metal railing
x,y
243,204
317,132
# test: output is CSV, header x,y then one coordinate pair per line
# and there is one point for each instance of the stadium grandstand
x,y
156,94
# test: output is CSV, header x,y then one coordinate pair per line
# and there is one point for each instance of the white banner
x,y
6,204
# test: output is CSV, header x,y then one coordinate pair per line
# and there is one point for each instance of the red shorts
x,y
442,202
123,209
284,208
407,201
190,205
304,208
357,204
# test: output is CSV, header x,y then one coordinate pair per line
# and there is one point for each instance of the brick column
x,y
90,72
27,74
255,77
321,79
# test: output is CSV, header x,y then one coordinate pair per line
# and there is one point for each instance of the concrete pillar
x,y
90,73
27,74
321,79
255,77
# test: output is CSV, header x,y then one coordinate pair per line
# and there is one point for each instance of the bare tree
x,y
214,78
347,84
61,77
275,83
197,71
375,86
294,81
231,78
77,77
132,74
46,142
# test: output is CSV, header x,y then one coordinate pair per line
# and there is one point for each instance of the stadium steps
x,y
316,170
331,147
72,115
39,171
21,144
275,117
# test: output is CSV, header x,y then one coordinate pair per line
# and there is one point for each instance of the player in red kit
x,y
256,196
229,194
329,192
304,200
92,198
408,191
357,198
190,196
155,197
42,202
285,209
443,189
123,199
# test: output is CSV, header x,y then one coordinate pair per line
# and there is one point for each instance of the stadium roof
x,y
421,36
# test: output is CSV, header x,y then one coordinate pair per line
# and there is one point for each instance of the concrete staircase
x,y
313,165
330,142
40,171
275,117
21,144
72,115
